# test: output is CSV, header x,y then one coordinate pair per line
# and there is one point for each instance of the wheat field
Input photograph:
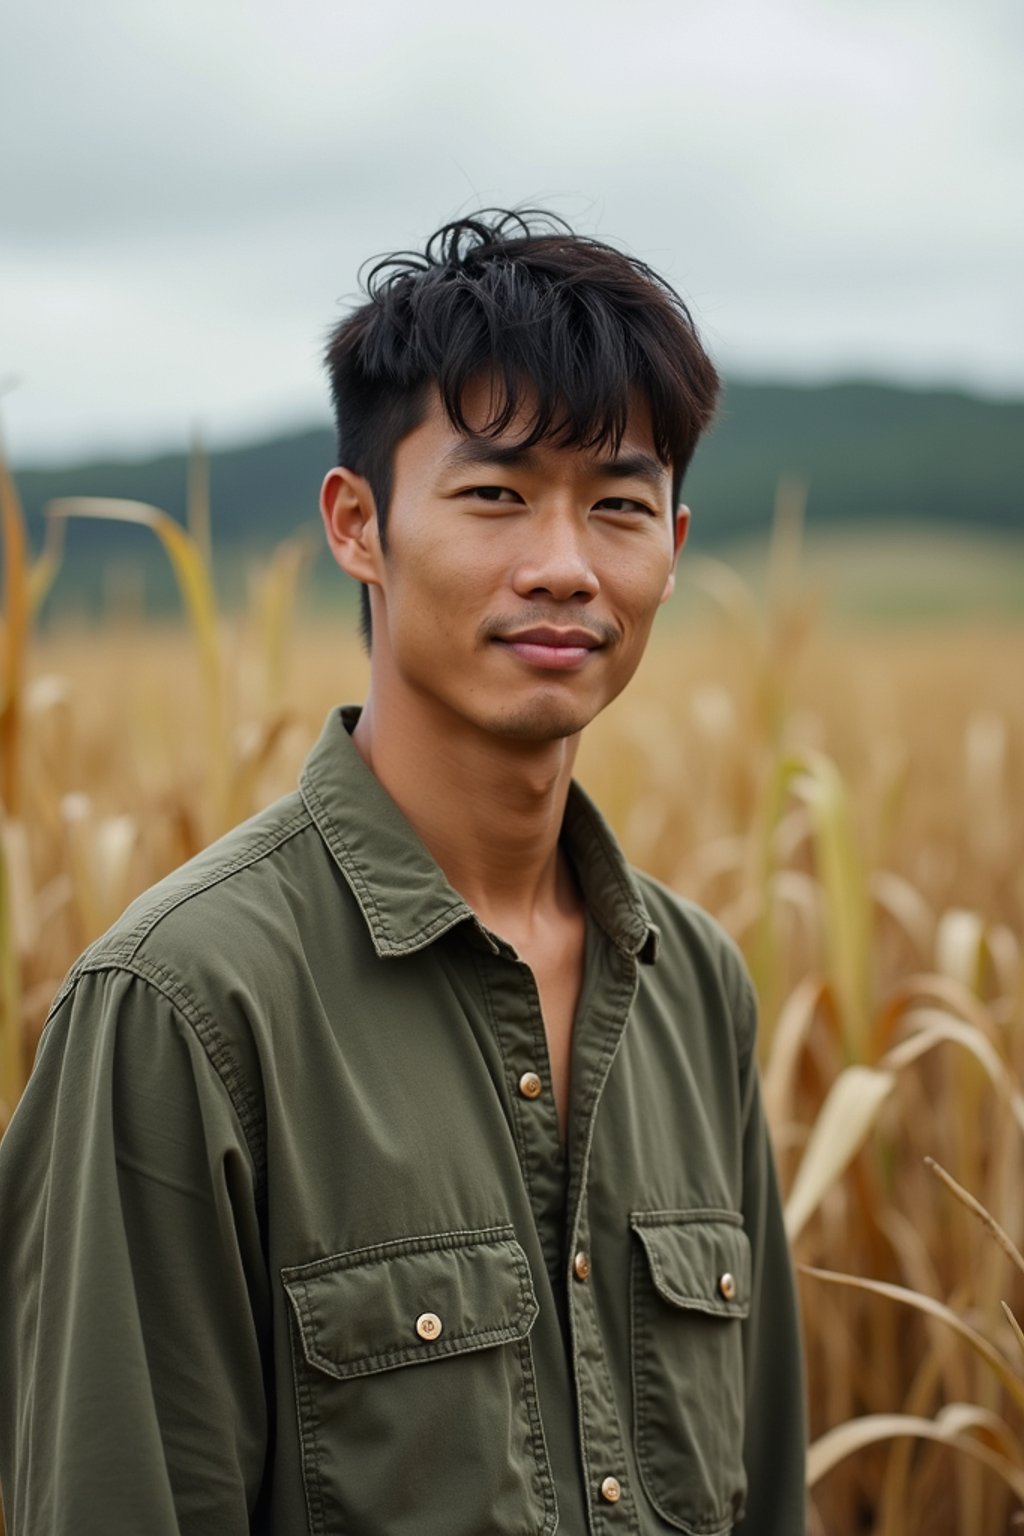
x,y
845,798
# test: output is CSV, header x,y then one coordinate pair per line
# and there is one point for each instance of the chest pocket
x,y
415,1389
690,1291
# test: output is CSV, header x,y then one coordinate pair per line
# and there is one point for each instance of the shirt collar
x,y
402,893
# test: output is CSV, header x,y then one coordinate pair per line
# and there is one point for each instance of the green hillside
x,y
870,454
867,451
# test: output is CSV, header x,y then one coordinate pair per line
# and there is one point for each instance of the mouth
x,y
561,650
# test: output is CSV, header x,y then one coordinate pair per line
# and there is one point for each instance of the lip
x,y
554,650
545,634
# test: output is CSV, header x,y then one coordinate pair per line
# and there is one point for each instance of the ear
x,y
682,528
349,515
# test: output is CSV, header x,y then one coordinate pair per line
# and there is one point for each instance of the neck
x,y
488,809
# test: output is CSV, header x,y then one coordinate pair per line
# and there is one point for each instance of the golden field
x,y
846,798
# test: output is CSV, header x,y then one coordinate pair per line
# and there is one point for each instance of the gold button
x,y
530,1085
611,1489
727,1286
428,1325
581,1266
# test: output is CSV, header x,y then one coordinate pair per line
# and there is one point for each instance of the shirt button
x,y
428,1325
727,1286
611,1490
581,1266
530,1085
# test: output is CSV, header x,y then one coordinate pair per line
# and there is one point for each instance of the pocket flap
x,y
698,1259
412,1300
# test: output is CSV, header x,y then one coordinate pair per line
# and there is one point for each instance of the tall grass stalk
x,y
856,831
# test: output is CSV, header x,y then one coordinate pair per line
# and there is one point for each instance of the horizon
x,y
284,429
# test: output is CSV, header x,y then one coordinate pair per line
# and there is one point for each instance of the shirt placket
x,y
514,1006
611,1505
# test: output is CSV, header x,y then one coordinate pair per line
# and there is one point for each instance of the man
x,y
398,1166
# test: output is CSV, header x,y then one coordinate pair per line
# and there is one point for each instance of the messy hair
x,y
563,325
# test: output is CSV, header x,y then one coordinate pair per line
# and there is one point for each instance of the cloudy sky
x,y
187,189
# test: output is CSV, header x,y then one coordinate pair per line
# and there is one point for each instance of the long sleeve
x,y
133,1297
775,1443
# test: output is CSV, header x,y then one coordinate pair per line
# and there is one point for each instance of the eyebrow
x,y
474,451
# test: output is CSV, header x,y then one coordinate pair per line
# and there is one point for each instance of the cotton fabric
x,y
285,1248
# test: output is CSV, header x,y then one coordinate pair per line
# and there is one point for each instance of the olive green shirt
x,y
289,1242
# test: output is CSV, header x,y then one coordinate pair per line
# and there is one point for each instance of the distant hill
x,y
869,453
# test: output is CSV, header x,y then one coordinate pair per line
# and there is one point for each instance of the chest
x,y
420,1211
398,1096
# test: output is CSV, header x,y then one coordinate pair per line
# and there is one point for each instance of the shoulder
x,y
222,915
201,954
702,957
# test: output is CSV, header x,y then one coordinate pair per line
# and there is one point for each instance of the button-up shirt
x,y
289,1241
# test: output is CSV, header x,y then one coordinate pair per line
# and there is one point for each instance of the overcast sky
x,y
188,187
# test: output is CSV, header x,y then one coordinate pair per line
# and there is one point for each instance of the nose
x,y
557,564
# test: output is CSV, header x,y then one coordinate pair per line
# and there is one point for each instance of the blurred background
x,y
825,745
834,188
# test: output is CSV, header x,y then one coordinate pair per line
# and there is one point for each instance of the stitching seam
x,y
213,1044
372,912
268,844
465,1237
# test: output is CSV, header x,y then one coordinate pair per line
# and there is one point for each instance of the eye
x,y
625,504
491,493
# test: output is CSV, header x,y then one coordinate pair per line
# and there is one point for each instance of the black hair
x,y
562,321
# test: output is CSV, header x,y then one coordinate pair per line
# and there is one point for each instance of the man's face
x,y
519,587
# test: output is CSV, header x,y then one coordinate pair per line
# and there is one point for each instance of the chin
x,y
541,720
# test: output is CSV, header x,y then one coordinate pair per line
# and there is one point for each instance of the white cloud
x,y
831,184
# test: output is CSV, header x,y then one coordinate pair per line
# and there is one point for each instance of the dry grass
x,y
846,800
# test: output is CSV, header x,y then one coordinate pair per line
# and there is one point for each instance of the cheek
x,y
438,584
455,566
636,584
